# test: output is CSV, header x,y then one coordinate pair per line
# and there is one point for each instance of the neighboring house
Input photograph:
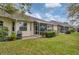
x,y
77,28
60,27
27,25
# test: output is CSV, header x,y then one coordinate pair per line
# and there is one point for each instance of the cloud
x,y
48,17
52,5
60,18
56,17
36,15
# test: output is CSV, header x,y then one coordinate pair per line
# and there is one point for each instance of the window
x,y
43,27
24,24
1,23
23,27
48,26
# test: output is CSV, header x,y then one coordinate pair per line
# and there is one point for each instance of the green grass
x,y
67,44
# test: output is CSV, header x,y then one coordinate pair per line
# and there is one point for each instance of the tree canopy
x,y
12,8
73,10
73,13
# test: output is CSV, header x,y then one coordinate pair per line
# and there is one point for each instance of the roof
x,y
59,23
14,16
33,19
54,22
20,16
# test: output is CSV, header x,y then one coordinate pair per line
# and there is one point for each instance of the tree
x,y
73,13
73,10
12,8
23,7
7,8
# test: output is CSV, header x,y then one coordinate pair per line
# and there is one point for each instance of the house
x,y
22,24
26,25
77,28
60,27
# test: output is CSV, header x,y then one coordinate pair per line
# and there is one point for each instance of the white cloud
x,y
48,17
52,5
56,18
36,15
59,18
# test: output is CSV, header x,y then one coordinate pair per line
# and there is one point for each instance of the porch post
x,y
39,28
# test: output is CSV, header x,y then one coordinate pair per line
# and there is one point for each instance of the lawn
x,y
66,44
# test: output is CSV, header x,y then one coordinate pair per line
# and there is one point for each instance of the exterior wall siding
x,y
50,27
55,28
30,27
7,23
29,30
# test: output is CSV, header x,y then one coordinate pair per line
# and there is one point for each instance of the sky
x,y
48,11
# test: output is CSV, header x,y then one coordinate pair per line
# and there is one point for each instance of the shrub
x,y
68,32
3,33
72,30
12,36
43,34
50,34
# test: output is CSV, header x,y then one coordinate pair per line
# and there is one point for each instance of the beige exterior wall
x,y
7,23
59,28
50,27
28,32
30,25
55,28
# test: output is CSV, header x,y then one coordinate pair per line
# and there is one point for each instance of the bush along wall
x,y
48,34
68,32
3,33
71,30
12,37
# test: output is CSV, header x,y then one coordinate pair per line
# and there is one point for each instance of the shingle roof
x,y
59,23
33,19
21,16
15,16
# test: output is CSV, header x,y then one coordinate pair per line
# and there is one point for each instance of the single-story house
x,y
60,27
77,28
27,25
